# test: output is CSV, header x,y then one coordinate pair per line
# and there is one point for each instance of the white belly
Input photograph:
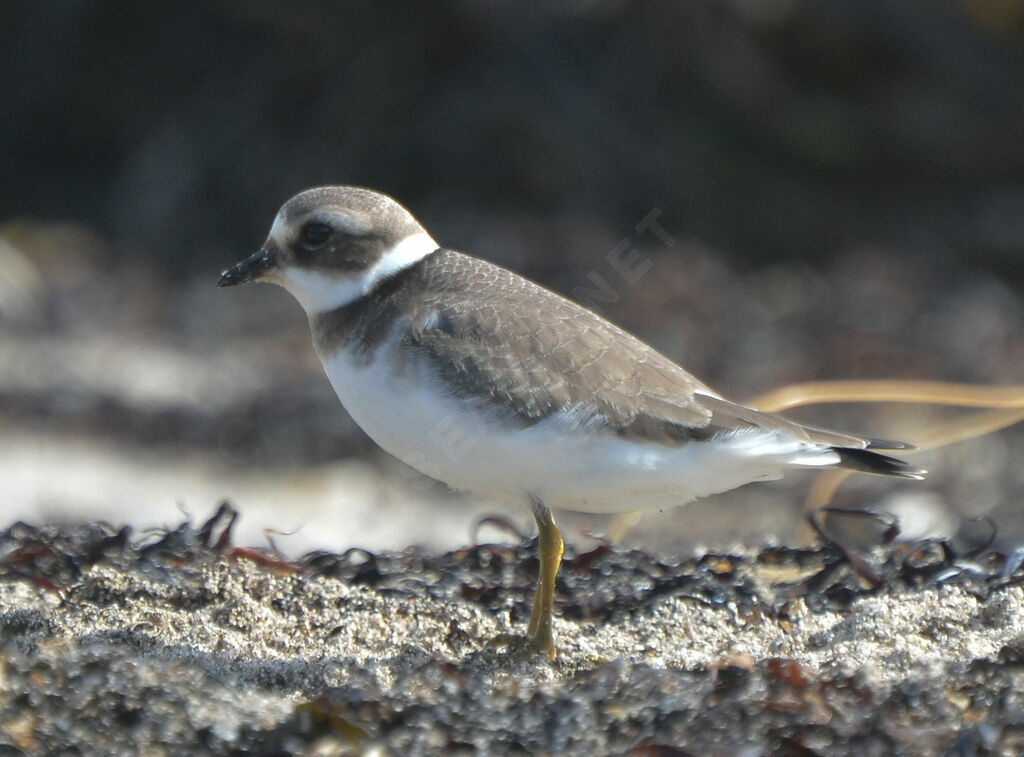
x,y
465,445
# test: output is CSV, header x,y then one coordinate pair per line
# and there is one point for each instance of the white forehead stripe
x,y
320,292
277,231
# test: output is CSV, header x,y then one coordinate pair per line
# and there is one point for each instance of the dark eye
x,y
315,234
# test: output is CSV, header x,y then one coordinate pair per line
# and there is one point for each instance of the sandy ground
x,y
181,644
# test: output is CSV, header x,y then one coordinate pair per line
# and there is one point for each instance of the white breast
x,y
464,444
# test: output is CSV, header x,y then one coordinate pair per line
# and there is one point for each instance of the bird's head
x,y
329,246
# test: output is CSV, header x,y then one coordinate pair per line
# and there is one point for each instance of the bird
x,y
497,386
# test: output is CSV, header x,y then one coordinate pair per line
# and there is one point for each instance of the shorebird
x,y
552,405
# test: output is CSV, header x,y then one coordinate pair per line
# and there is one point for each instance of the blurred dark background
x,y
840,185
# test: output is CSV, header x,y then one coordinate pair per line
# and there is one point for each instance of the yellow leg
x,y
538,633
551,547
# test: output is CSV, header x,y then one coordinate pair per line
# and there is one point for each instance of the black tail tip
x,y
868,461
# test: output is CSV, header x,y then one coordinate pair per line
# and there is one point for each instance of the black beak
x,y
250,269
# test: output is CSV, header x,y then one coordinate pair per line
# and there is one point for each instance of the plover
x,y
495,385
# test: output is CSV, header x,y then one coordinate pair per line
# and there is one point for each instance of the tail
x,y
855,452
869,461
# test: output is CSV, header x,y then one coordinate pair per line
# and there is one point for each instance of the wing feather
x,y
534,354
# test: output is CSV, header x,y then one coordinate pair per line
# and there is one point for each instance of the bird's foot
x,y
525,646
